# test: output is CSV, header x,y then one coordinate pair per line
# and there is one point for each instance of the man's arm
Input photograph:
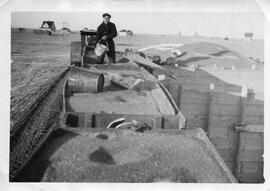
x,y
113,32
99,34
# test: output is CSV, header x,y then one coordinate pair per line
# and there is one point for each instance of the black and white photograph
x,y
136,92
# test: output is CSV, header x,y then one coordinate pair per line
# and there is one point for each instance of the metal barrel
x,y
82,80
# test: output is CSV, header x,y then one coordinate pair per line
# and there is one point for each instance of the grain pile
x,y
205,54
126,156
122,102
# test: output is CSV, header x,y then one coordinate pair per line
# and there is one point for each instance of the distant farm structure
x,y
65,28
125,32
21,29
248,36
47,27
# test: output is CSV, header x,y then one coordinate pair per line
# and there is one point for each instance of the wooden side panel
x,y
103,120
194,96
254,119
250,157
255,109
195,121
170,122
224,121
194,109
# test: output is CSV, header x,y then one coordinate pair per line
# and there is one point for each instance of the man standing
x,y
107,31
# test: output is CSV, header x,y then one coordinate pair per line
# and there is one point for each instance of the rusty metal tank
x,y
81,80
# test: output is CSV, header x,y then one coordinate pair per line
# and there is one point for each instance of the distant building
x,y
48,25
248,36
124,32
47,28
65,28
21,29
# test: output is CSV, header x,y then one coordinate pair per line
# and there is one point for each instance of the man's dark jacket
x,y
108,30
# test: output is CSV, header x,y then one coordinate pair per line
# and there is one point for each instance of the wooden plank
x,y
227,98
194,94
198,87
193,127
243,103
252,166
220,121
251,135
250,128
255,102
258,109
82,120
147,63
226,109
251,171
156,122
196,121
251,155
251,147
251,142
89,121
219,132
103,120
225,118
237,162
193,101
202,80
192,106
205,87
254,119
194,109
251,178
171,122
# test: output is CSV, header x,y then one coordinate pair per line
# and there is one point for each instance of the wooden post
x,y
211,103
243,103
246,95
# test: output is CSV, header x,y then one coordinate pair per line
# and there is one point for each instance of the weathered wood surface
x,y
250,156
221,115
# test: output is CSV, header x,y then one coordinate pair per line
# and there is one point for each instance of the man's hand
x,y
104,38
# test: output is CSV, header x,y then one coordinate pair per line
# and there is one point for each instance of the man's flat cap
x,y
106,14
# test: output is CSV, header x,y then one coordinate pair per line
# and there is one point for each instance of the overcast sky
x,y
207,24
208,18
